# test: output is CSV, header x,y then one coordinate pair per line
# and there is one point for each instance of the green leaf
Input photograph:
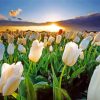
x,y
31,93
41,85
56,94
77,72
40,78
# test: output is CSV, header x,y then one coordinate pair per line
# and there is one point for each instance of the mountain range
x,y
90,22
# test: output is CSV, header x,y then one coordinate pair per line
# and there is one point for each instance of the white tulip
x,y
58,39
80,34
85,42
10,38
10,49
76,39
51,40
32,36
50,48
2,50
98,59
97,43
68,35
71,53
96,38
21,41
45,41
36,51
94,86
74,34
10,78
92,34
21,48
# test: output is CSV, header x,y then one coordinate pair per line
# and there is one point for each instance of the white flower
x,y
51,40
45,41
80,34
36,51
10,49
85,42
58,39
97,43
21,41
50,48
10,38
94,86
76,39
96,38
2,50
98,59
71,53
32,36
21,48
68,35
10,77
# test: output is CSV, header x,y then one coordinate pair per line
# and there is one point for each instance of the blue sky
x,y
49,10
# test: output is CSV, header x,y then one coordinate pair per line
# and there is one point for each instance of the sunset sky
x,y
48,10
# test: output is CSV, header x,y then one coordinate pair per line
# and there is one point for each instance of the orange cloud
x,y
14,13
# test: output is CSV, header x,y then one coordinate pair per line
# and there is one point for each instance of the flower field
x,y
49,65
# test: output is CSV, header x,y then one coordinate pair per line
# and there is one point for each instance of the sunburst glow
x,y
53,28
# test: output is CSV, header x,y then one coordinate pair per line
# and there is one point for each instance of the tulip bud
x,y
68,35
32,36
85,42
97,43
36,51
96,38
51,40
80,34
21,41
71,53
2,50
73,35
76,39
94,86
10,38
58,39
45,41
98,59
10,78
21,48
50,48
10,49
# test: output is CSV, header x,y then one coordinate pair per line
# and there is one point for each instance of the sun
x,y
54,28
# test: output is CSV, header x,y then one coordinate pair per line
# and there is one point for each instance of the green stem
x,y
10,58
5,97
30,67
62,76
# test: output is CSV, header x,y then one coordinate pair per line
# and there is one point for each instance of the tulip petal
x,y
94,86
11,85
18,69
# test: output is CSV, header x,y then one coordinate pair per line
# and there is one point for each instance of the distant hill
x,y
16,23
90,22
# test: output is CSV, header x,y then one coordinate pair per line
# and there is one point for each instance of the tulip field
x,y
49,65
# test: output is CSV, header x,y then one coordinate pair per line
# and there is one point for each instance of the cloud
x,y
15,13
2,17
